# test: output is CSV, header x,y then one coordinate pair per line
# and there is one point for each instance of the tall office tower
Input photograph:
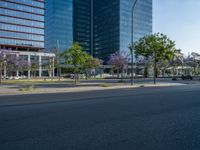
x,y
22,24
142,21
58,24
101,27
106,28
83,24
112,25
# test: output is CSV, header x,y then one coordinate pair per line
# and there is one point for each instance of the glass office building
x,y
101,27
142,21
112,25
82,24
22,24
58,24
106,28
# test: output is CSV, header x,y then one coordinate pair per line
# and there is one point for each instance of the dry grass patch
x,y
27,88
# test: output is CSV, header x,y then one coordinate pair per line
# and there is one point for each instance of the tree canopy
x,y
79,59
74,55
157,46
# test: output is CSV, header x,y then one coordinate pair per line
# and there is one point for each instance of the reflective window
x,y
19,26
21,29
22,36
31,2
82,23
22,21
22,7
21,42
142,21
58,24
21,14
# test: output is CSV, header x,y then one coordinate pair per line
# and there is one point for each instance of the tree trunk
x,y
112,72
163,72
118,73
173,71
76,75
122,74
34,74
146,72
101,73
194,70
86,75
1,66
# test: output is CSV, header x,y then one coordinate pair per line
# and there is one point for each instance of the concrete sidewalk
x,y
83,87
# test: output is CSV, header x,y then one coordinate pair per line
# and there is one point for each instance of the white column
x,y
5,71
17,71
5,68
50,68
29,63
40,66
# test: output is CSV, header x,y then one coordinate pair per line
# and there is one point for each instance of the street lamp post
x,y
58,60
132,19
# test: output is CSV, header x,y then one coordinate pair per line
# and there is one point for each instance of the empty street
x,y
162,118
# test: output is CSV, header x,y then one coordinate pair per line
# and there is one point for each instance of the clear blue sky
x,y
180,20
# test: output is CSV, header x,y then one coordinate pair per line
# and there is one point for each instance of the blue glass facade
x,y
82,24
101,27
112,25
106,28
22,24
142,23
58,24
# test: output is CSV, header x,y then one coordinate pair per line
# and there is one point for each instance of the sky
x,y
180,21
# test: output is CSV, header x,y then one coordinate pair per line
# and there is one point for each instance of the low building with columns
x,y
41,63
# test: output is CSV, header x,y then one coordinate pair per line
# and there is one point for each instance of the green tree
x,y
75,56
156,46
90,63
33,68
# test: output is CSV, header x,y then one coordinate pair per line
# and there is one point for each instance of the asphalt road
x,y
166,118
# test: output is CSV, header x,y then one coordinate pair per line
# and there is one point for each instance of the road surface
x,y
166,118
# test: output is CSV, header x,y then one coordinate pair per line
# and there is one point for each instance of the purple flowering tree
x,y
14,64
22,65
3,60
118,61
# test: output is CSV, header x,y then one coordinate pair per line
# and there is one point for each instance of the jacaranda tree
x,y
3,59
118,61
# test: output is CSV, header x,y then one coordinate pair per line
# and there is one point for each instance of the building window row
x,y
39,4
21,14
22,36
21,7
21,29
21,43
22,22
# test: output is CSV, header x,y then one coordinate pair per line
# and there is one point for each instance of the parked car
x,y
24,77
16,77
188,77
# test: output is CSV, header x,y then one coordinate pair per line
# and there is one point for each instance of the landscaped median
x,y
19,89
